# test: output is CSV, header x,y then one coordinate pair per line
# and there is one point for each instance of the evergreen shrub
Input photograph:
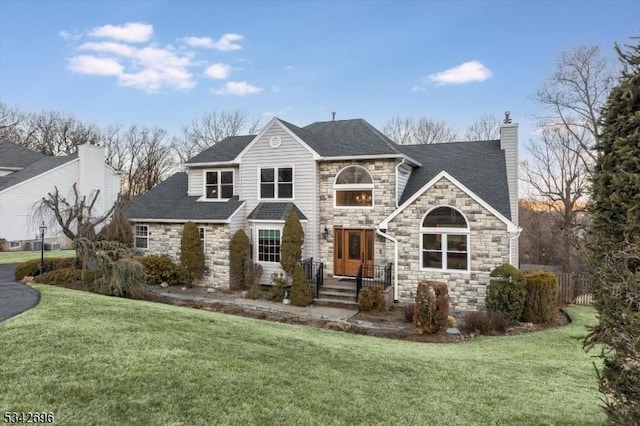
x,y
291,246
506,292
159,268
239,252
191,253
32,267
277,291
431,307
371,299
541,297
69,278
301,291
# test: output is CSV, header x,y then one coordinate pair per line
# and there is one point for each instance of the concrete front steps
x,y
337,294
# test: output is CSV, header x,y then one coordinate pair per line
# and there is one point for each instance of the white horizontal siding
x,y
404,172
196,182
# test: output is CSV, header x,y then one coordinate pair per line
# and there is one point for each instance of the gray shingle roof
x,y
34,169
480,166
169,201
14,155
275,211
225,150
349,138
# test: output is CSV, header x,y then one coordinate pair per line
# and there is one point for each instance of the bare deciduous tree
x,y
486,128
558,176
539,241
210,128
75,216
575,94
423,130
11,120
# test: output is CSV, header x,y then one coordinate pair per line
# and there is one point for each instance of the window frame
x,y
276,183
257,244
137,237
353,187
15,245
444,232
219,184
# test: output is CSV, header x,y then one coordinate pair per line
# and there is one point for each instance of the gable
x,y
276,138
511,227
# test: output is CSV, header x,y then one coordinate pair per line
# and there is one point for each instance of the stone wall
x,y
489,247
164,238
384,199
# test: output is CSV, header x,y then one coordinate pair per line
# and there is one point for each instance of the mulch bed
x,y
389,324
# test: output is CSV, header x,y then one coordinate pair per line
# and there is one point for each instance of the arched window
x,y
353,187
444,240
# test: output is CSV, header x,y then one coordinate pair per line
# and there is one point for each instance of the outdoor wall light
x,y
325,233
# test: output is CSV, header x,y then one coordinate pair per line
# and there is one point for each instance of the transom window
x,y
444,240
276,182
269,245
218,185
353,187
141,237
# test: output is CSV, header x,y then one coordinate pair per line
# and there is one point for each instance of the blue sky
x,y
163,63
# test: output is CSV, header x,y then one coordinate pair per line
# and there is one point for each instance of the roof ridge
x,y
386,139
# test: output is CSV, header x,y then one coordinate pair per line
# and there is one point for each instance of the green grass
x,y
22,256
92,359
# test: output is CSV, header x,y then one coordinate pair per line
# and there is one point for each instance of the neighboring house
x,y
446,211
27,176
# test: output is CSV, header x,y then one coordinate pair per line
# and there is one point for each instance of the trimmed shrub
x,y
291,246
371,299
69,278
431,307
191,254
301,291
542,296
487,323
277,291
239,252
159,268
32,267
506,292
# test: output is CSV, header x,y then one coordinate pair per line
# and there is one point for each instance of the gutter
x,y
515,235
395,262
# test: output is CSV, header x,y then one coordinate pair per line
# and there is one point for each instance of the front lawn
x,y
93,359
23,256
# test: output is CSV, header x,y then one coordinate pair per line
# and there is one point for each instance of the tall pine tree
x,y
614,245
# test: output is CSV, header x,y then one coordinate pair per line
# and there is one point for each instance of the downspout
x,y
516,235
395,262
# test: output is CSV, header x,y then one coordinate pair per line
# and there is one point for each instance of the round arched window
x,y
444,240
353,187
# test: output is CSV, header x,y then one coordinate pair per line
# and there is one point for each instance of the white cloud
x,y
418,89
226,43
132,32
87,64
109,47
468,72
69,36
218,71
239,88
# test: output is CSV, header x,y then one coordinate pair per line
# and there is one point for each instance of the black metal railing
x,y
372,275
314,273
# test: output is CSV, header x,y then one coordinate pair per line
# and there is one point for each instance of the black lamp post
x,y
43,228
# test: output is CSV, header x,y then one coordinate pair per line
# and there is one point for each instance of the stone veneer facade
x,y
383,173
489,247
165,238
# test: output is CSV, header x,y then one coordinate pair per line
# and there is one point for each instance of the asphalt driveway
x,y
15,297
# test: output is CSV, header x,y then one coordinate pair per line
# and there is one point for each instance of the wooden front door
x,y
352,248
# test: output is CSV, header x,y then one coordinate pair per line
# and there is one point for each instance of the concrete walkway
x,y
15,297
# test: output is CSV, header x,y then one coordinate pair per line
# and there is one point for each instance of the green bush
x,y
277,291
541,297
506,292
159,268
431,308
254,292
191,253
371,299
301,291
69,278
291,246
239,252
32,267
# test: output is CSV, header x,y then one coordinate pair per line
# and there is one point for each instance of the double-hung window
x,y
141,237
276,182
444,240
218,184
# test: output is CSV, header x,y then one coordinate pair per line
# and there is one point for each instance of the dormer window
x,y
353,187
218,185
